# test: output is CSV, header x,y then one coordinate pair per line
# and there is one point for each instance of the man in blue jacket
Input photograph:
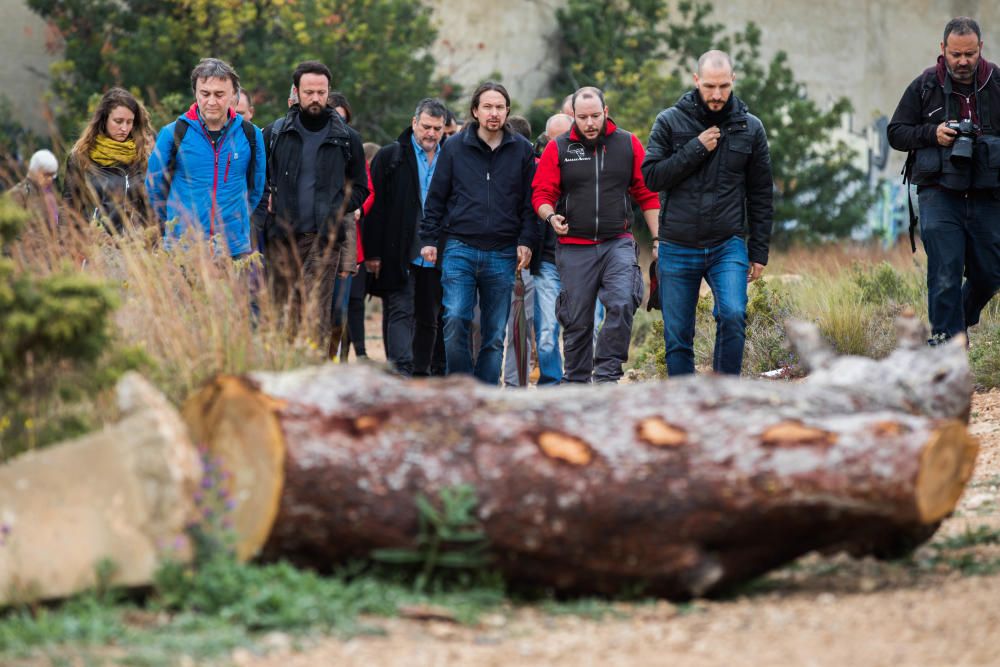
x,y
205,177
482,187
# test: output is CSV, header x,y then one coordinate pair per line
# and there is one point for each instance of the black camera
x,y
967,130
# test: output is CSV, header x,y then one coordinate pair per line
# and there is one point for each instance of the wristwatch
x,y
548,218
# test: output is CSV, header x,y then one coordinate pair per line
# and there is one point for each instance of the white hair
x,y
43,160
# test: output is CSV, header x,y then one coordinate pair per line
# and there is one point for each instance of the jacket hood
x,y
688,103
609,129
984,70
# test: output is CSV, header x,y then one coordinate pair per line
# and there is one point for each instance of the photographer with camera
x,y
949,122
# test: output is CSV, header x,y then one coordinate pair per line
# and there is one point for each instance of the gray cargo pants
x,y
608,271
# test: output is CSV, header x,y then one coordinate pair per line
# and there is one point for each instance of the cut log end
x,y
946,465
239,425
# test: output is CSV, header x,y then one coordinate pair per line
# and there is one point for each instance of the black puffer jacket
x,y
340,161
111,194
709,197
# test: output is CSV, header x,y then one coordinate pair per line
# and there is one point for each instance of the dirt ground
x,y
820,611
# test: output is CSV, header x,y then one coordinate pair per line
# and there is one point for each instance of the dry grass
x,y
187,309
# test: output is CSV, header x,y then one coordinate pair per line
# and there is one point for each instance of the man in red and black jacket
x,y
582,187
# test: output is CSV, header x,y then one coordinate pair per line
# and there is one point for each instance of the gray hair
x,y
431,106
554,118
715,58
43,160
213,68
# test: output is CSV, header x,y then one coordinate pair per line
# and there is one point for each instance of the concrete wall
x,y
24,62
864,49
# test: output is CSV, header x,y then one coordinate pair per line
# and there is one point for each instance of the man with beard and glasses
x,y
948,120
584,187
708,158
315,174
480,197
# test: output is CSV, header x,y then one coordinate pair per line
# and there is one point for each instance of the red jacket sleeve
x,y
646,198
547,184
370,199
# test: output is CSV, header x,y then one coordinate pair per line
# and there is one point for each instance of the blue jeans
x,y
547,287
465,273
725,268
961,235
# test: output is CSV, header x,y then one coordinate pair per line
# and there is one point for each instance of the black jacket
x,y
113,194
341,159
925,105
709,197
484,194
390,227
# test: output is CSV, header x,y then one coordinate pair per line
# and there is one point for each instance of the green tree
x,y
624,46
52,328
378,51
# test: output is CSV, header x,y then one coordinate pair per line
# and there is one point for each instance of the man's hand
x,y
357,214
945,135
559,225
755,272
429,253
710,138
373,266
524,256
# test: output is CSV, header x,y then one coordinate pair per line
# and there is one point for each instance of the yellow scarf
x,y
107,152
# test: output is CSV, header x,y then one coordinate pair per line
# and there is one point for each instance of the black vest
x,y
594,182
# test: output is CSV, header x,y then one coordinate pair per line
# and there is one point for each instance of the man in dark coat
x,y
709,160
959,196
315,175
410,286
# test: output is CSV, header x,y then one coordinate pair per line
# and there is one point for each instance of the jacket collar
x,y
194,116
984,70
470,135
335,124
688,103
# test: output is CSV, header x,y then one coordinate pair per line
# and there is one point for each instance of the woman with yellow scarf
x,y
105,169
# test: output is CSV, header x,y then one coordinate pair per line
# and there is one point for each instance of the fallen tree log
x,y
123,496
682,487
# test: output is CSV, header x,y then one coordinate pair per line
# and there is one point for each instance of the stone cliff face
x,y
868,51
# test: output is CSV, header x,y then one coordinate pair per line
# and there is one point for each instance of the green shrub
x,y
883,285
769,304
56,347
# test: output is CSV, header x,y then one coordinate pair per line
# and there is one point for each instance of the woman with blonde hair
x,y
105,169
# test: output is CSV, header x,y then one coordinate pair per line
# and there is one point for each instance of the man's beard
x,y
600,133
964,76
314,110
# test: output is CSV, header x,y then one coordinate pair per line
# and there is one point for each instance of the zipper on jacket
x,y
597,193
489,197
229,159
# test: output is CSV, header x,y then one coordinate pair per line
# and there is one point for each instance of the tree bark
x,y
680,487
